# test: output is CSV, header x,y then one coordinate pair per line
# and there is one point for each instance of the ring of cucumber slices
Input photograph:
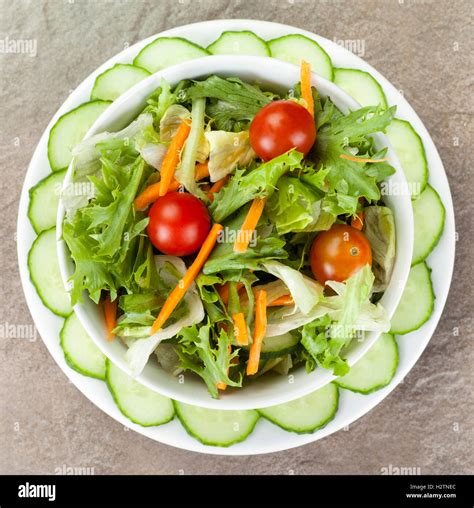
x,y
212,427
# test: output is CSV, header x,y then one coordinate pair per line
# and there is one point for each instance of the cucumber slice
x,y
361,86
69,130
375,369
416,303
45,276
239,43
279,345
216,427
44,199
428,215
137,402
115,81
167,51
306,414
295,47
411,153
79,349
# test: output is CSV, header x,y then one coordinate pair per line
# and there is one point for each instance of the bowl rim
x,y
236,65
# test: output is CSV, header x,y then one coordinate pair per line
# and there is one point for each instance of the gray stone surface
x,y
424,48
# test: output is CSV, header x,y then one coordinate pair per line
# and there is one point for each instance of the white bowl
x,y
274,75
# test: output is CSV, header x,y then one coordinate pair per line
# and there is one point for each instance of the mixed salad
x,y
233,232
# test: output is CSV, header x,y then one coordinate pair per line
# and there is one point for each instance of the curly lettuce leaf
x,y
297,208
264,246
338,135
232,103
258,182
206,353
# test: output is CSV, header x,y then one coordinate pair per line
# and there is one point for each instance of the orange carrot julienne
x,y
240,329
110,311
223,291
188,278
216,187
151,193
282,301
171,160
249,224
358,221
201,171
306,93
360,159
259,332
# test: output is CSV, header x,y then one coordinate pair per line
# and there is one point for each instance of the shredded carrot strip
x,y
360,159
306,93
249,224
259,332
149,195
152,192
217,187
201,171
358,221
110,311
188,278
223,291
171,160
283,301
240,329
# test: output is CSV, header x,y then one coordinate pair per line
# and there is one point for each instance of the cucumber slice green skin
x,y
295,47
375,369
418,296
361,86
192,417
166,51
80,352
44,199
411,153
285,415
70,129
45,276
115,81
274,347
239,43
130,396
428,215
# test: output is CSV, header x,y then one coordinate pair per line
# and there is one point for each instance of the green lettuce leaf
x,y
266,245
206,353
338,135
297,207
232,103
258,182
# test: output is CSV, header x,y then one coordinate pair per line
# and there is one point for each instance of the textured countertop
x,y
422,47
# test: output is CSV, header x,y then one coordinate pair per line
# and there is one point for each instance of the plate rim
x,y
372,400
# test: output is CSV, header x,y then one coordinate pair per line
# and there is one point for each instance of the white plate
x,y
266,436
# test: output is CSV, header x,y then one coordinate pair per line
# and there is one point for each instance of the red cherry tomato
x,y
338,253
179,224
281,126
